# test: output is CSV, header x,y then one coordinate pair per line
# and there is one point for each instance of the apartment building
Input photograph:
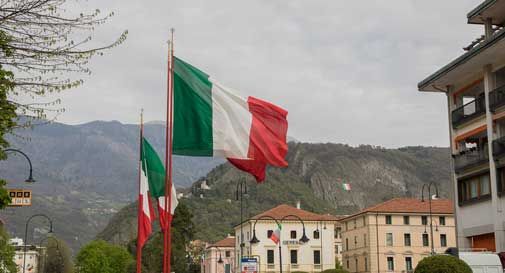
x,y
474,85
395,235
316,254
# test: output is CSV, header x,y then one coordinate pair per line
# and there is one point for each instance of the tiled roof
x,y
284,210
226,242
411,205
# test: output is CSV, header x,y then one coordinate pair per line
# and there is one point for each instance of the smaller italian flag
x,y
346,186
276,235
152,183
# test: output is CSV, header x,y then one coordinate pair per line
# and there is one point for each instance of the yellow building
x,y
395,235
474,88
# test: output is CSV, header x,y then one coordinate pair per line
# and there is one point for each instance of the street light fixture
x,y
26,234
430,197
30,177
240,192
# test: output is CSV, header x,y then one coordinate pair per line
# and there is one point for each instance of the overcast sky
x,y
347,71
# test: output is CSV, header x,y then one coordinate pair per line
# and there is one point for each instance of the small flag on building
x,y
276,235
346,186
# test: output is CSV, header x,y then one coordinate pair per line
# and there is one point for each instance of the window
x,y
338,232
346,243
227,254
389,239
406,239
406,220
356,264
269,233
426,241
248,236
294,256
389,220
227,268
408,264
391,264
355,241
366,264
474,188
355,223
424,220
347,263
317,256
443,240
364,239
336,249
293,234
270,256
316,234
441,220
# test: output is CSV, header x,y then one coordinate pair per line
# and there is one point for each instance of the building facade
x,y
315,255
33,255
219,257
474,85
395,235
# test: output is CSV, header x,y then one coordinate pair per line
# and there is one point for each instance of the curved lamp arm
x,y
30,178
304,238
254,239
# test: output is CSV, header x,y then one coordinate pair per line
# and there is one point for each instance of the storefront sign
x,y
249,265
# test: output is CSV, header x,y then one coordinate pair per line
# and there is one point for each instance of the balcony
x,y
497,98
469,111
470,158
499,147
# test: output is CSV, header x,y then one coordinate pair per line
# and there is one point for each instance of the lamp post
x,y
30,177
26,234
220,261
304,239
240,192
57,248
428,186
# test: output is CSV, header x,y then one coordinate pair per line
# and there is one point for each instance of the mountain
x,y
314,177
85,174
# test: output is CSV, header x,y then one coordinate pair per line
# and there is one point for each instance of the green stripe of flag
x,y
154,169
192,130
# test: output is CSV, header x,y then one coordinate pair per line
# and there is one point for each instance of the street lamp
x,y
240,192
26,234
304,239
220,261
428,186
30,177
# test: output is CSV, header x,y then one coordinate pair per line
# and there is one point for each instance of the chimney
x,y
298,205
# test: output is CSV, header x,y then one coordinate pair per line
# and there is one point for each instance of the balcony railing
x,y
470,158
497,98
499,147
468,111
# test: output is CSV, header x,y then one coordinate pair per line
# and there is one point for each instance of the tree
x,y
37,48
7,264
57,258
100,256
442,264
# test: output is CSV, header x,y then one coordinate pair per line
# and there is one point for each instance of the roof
x,y
226,242
284,210
488,9
410,205
466,63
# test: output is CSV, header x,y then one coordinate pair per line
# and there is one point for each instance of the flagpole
x,y
167,242
139,246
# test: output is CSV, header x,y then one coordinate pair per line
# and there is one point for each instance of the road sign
x,y
249,265
20,197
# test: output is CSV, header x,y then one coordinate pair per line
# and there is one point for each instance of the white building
x,y
219,257
474,88
32,256
315,255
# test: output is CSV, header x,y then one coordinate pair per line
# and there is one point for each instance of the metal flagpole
x,y
167,242
139,247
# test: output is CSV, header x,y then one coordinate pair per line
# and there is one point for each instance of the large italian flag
x,y
212,120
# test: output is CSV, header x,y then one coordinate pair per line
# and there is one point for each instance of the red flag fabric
x,y
268,139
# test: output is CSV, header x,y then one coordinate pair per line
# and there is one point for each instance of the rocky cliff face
x,y
315,176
